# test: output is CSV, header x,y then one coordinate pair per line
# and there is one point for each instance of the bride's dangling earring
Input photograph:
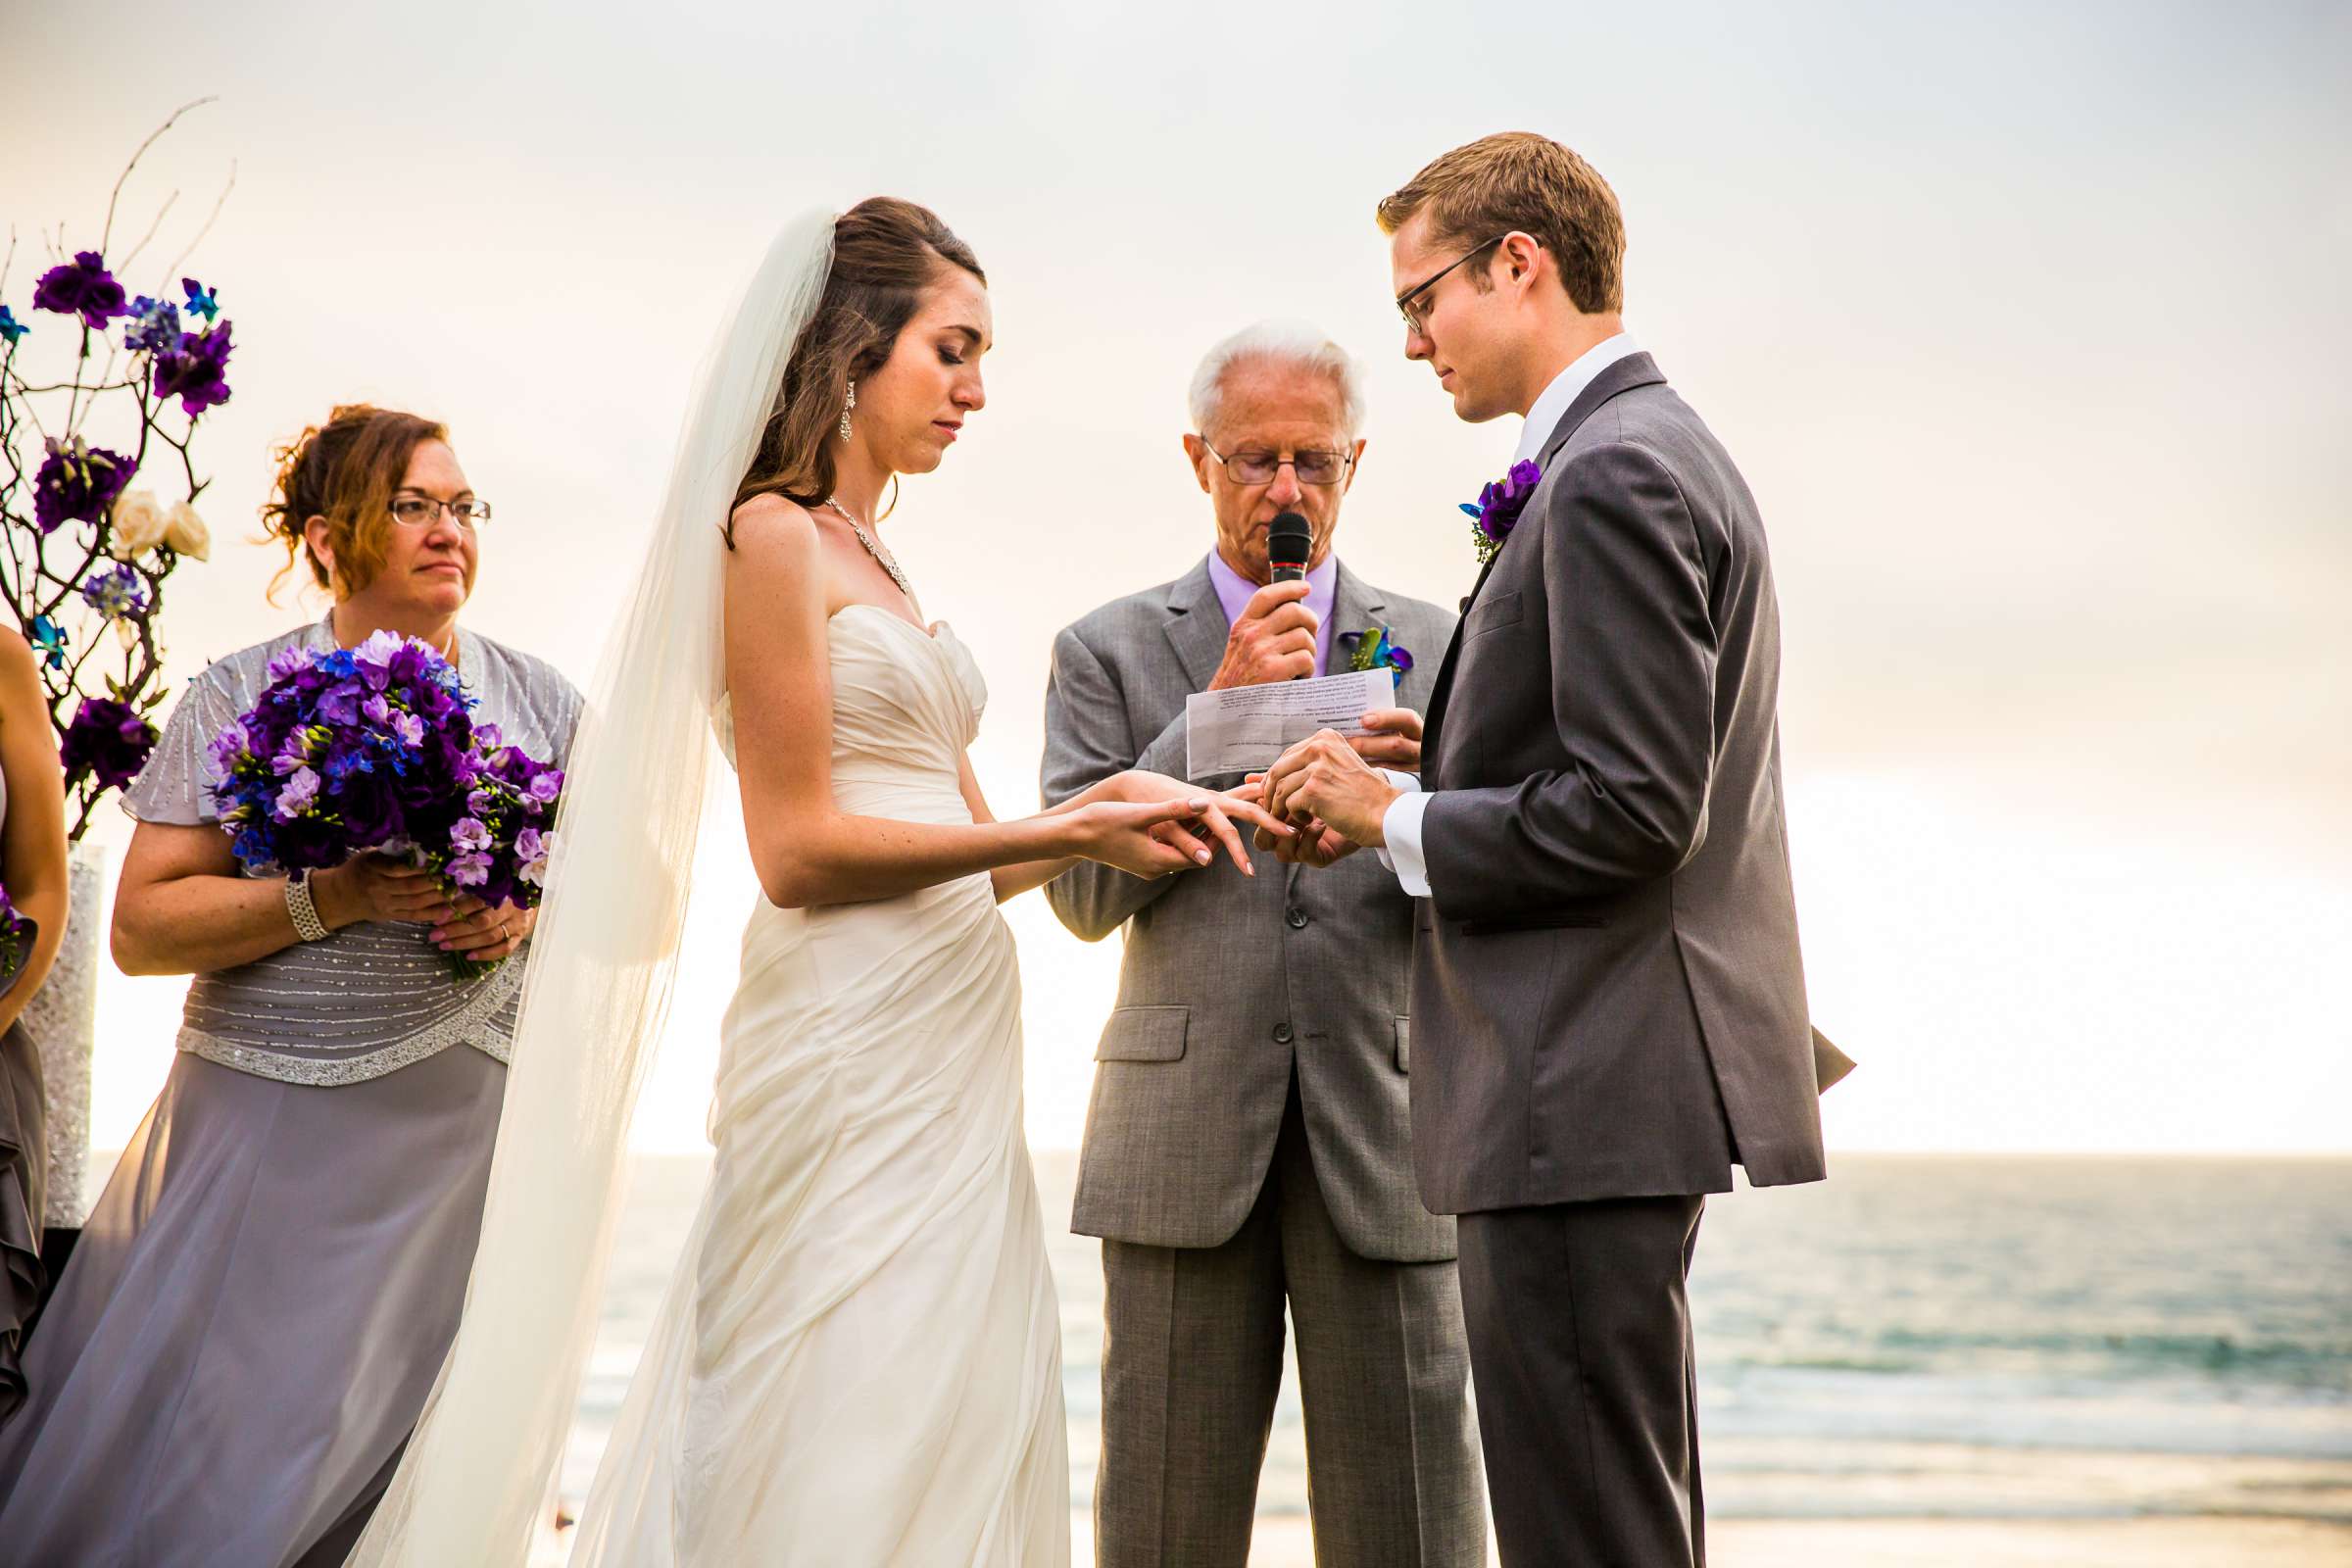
x,y
848,404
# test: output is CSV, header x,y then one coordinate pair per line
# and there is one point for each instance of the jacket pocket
x,y
1144,1034
1503,609
1405,1044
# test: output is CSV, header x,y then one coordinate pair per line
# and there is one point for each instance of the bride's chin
x,y
923,459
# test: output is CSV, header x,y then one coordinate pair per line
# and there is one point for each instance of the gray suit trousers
x,y
1192,1363
1580,1341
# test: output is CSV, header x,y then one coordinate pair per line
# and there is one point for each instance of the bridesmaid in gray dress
x,y
32,867
257,1310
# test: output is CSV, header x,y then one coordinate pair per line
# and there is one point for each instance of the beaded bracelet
x,y
307,924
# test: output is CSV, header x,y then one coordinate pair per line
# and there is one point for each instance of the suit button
x,y
1282,1033
1298,920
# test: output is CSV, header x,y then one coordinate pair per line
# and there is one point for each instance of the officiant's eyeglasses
x,y
1415,307
419,512
1260,467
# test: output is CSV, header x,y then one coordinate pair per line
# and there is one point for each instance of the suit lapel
x,y
1196,627
1355,606
1635,370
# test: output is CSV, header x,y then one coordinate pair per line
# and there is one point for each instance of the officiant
x,y
1246,1146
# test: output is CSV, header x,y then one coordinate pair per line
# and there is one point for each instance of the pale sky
x,y
2024,322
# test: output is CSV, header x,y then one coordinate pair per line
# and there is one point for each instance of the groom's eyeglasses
x,y
1414,304
1260,467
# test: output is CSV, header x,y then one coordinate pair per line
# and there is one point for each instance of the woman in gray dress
x,y
256,1312
32,867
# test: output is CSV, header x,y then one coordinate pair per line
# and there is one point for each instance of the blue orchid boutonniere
x,y
1497,511
1370,649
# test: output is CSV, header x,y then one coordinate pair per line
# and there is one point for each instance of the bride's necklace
x,y
882,556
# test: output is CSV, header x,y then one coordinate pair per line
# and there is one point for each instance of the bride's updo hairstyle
x,y
885,253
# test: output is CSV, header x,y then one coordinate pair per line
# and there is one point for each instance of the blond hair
x,y
1520,182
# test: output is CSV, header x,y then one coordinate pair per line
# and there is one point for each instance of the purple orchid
x,y
533,847
78,483
194,370
81,287
1498,507
302,788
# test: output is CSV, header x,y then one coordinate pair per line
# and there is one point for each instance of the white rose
x,y
140,523
187,534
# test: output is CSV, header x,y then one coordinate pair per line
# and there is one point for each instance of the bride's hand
x,y
1220,816
1144,838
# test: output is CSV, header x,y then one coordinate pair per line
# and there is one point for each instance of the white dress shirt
x,y
1402,825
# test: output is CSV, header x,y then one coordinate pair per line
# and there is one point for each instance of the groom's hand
x,y
1322,780
1315,845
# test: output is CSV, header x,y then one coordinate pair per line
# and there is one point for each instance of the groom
x,y
1607,985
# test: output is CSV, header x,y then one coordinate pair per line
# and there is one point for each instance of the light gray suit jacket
x,y
1228,982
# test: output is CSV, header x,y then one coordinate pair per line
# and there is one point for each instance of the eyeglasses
x,y
1415,316
1260,467
420,512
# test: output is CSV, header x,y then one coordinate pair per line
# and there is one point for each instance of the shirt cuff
x,y
1401,828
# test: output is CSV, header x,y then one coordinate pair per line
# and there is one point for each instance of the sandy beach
x,y
1940,1543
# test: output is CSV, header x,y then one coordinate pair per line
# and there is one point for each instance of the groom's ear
x,y
1519,259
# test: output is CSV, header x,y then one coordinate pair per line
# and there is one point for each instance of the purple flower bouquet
x,y
375,748
16,941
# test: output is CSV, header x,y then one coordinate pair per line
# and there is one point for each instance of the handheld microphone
x,y
1287,542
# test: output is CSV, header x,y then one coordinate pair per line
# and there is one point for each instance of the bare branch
x,y
108,233
211,218
124,266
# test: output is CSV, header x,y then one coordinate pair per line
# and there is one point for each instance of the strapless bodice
x,y
905,704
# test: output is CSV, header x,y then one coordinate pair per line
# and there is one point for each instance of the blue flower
x,y
202,301
50,638
10,327
1372,650
116,592
154,327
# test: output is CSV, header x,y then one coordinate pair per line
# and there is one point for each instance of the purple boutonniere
x,y
1498,507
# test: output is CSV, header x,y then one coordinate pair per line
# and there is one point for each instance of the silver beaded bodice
x,y
375,997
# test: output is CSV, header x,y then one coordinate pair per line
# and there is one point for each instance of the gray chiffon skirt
x,y
23,1192
252,1321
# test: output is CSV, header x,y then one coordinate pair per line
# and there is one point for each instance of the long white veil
x,y
479,1472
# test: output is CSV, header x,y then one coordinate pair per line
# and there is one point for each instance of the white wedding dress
x,y
858,1361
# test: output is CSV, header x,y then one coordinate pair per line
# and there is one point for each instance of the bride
x,y
859,1359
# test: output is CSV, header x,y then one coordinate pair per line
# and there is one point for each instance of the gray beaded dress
x,y
23,1157
259,1302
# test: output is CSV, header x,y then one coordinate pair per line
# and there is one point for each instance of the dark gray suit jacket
x,y
1228,981
1606,981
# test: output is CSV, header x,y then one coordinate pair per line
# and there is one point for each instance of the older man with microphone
x,y
1246,1141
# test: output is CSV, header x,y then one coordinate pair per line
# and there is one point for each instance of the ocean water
x,y
1918,1336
